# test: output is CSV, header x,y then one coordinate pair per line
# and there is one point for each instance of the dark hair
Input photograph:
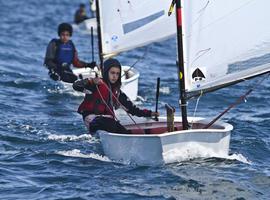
x,y
108,64
65,27
82,5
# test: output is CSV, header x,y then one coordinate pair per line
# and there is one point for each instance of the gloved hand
x,y
154,114
91,65
97,81
53,75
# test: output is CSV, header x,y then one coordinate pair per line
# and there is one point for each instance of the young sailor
x,y
61,53
80,14
97,108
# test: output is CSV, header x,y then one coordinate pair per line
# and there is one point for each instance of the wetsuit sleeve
x,y
78,63
85,84
49,60
132,109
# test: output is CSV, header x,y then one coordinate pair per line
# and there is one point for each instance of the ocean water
x,y
46,153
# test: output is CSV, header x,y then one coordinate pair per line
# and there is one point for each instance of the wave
x,y
68,138
186,154
77,153
165,90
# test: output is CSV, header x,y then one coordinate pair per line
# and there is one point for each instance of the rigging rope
x,y
139,59
106,103
238,101
121,105
196,106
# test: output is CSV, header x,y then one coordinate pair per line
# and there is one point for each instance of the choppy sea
x,y
46,153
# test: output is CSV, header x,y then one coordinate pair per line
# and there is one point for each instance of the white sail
x,y
129,24
218,35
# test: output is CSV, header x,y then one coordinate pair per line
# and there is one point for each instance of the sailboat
x,y
90,25
123,26
211,37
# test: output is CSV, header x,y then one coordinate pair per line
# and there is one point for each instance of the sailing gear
x,y
104,97
107,124
108,64
65,27
65,54
53,75
67,76
102,101
93,103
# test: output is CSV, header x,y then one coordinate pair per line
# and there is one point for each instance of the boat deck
x,y
161,127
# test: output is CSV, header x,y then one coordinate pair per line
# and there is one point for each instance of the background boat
x,y
130,80
86,26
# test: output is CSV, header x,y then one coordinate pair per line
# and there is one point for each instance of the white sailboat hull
x,y
88,23
129,82
153,149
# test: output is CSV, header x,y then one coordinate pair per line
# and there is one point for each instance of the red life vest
x,y
93,103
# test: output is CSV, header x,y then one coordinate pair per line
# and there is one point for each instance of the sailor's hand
x,y
97,81
154,114
53,75
91,65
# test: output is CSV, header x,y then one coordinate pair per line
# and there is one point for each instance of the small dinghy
x,y
150,143
212,40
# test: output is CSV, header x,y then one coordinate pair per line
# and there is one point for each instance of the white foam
x,y
238,157
139,100
165,90
77,153
64,138
187,153
69,90
10,152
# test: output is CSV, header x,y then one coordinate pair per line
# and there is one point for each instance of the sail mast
x,y
180,63
100,53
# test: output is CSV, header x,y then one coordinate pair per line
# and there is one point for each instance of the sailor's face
x,y
65,36
114,74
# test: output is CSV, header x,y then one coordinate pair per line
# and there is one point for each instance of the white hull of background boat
x,y
154,148
88,23
129,82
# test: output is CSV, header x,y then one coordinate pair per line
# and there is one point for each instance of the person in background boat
x,y
80,14
97,108
61,53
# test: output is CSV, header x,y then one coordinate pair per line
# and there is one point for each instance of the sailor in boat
x,y
97,108
61,53
80,14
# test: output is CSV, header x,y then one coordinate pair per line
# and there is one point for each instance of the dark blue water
x,y
46,153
